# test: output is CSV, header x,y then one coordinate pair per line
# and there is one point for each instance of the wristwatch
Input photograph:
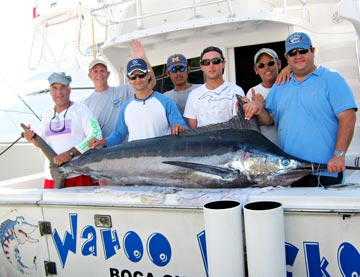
x,y
339,153
71,153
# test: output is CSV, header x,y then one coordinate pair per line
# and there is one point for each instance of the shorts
x,y
78,181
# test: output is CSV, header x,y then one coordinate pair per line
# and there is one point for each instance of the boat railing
x,y
127,16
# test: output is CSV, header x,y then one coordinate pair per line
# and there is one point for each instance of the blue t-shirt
x,y
305,114
142,119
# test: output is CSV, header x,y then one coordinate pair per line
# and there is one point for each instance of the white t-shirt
x,y
268,131
212,106
73,127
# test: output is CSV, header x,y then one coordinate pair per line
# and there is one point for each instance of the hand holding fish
x,y
253,108
62,158
29,134
177,129
95,143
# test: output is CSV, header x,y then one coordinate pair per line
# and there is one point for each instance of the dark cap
x,y
210,49
136,64
176,60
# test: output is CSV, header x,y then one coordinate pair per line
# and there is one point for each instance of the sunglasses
x,y
301,51
176,69
207,62
134,76
262,65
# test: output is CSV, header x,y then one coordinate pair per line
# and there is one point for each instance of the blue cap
x,y
136,64
297,40
60,78
176,60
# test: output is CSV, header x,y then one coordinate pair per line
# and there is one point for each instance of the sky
x,y
16,37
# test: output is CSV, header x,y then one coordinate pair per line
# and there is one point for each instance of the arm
x,y
257,96
257,108
29,135
284,75
120,131
347,121
192,122
177,122
139,53
90,127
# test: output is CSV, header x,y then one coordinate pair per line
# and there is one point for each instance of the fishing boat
x,y
165,231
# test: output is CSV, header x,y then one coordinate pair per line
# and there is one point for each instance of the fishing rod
x,y
31,110
12,144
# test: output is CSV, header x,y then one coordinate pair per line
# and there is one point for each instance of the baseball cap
x,y
210,49
176,60
136,64
60,78
95,62
266,51
297,40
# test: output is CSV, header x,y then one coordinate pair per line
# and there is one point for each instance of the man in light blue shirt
x,y
314,113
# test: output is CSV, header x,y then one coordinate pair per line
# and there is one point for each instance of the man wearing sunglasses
x,y
67,128
105,101
267,65
178,70
147,114
215,101
314,113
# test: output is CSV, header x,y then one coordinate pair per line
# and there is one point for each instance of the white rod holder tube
x,y
265,239
224,239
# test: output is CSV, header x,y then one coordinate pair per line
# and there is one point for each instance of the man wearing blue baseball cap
x,y
178,71
67,128
106,100
146,115
314,113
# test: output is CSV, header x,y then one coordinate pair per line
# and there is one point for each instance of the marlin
x,y
12,234
233,154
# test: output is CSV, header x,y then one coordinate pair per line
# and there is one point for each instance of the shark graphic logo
x,y
12,234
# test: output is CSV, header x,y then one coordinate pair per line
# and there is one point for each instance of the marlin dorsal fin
x,y
237,122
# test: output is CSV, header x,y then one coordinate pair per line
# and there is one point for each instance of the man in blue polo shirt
x,y
314,113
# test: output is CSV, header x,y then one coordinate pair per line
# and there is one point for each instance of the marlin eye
x,y
285,162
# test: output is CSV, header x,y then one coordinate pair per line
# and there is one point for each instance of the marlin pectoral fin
x,y
223,172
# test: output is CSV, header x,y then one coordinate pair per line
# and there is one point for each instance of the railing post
x,y
139,20
231,10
